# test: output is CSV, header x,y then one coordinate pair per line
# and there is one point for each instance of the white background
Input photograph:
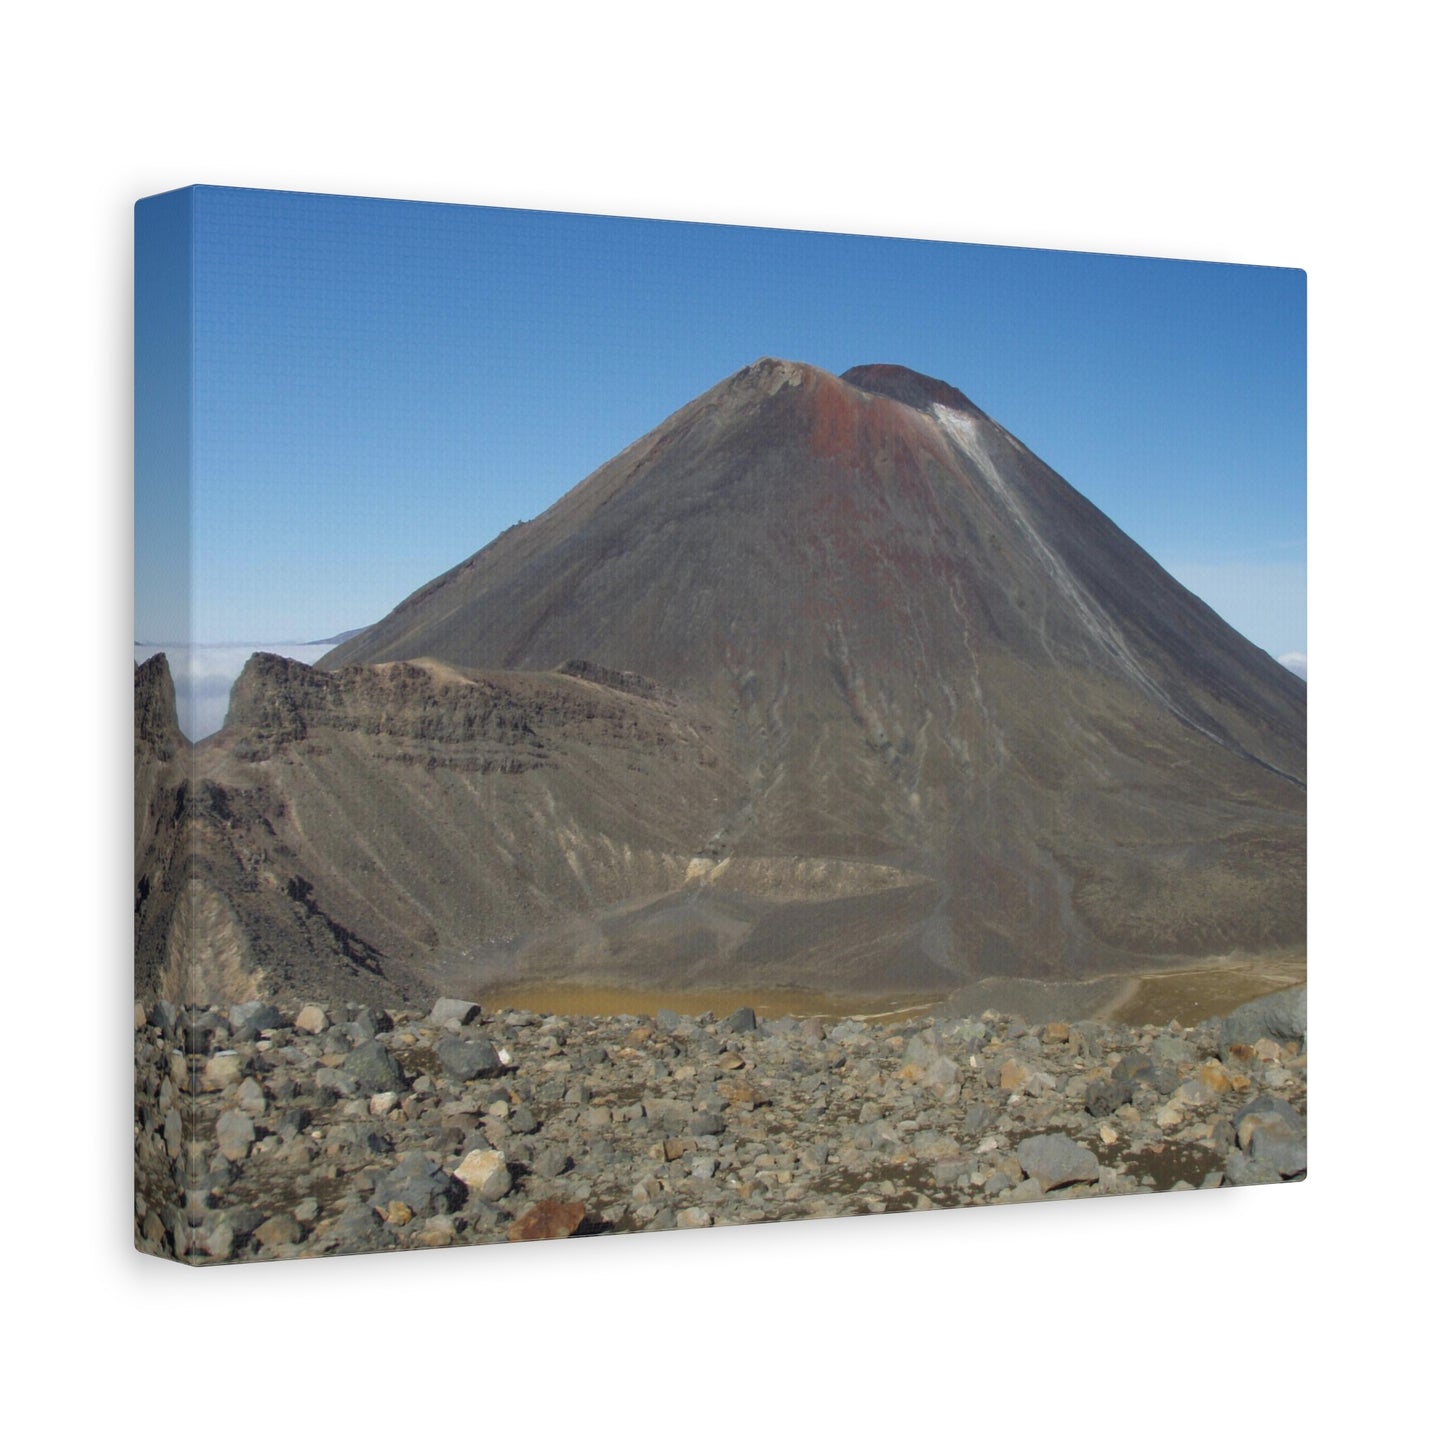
x,y
1258,133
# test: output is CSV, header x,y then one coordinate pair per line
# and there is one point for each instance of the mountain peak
x,y
912,388
910,644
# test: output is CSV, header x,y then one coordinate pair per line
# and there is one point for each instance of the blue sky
x,y
380,387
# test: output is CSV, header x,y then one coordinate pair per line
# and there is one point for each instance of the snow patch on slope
x,y
966,433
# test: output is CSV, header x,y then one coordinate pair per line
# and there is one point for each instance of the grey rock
x,y
1240,1169
467,1059
949,1173
372,1068
355,1230
357,1140
664,1112
922,1049
1137,1068
979,1119
335,1080
235,1133
1171,1051
548,1163
741,1021
1280,1016
420,1184
249,1019
1055,1160
966,1032
457,1010
251,1097
1103,1096
667,1020
1266,1109
1195,1094
1131,1066
243,1221
163,1016
196,1036
367,1022
1279,1147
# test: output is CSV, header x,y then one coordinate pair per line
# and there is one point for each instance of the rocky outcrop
x,y
157,731
219,914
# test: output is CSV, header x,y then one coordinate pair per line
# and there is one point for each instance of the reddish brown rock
x,y
548,1219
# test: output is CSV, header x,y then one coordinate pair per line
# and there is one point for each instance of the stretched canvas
x,y
633,732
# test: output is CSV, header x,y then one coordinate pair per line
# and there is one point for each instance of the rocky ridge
x,y
267,1132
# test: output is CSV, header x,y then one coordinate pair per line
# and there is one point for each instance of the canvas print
x,y
644,725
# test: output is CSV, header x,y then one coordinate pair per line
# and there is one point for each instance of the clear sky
x,y
381,387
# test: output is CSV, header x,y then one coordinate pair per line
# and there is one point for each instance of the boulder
x,y
1055,1160
420,1185
485,1173
1279,1016
1103,1096
548,1219
453,1010
467,1059
235,1133
372,1068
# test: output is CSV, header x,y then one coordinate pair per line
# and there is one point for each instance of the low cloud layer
x,y
204,675
1295,661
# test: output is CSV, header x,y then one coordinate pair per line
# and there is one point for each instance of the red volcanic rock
x,y
548,1219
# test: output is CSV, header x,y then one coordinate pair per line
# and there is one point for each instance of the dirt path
x,y
593,1001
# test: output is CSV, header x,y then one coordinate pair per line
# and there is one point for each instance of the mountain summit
x,y
966,726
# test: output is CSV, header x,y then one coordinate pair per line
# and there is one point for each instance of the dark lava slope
x,y
918,651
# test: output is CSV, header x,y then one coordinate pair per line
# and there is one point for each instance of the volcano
x,y
826,682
